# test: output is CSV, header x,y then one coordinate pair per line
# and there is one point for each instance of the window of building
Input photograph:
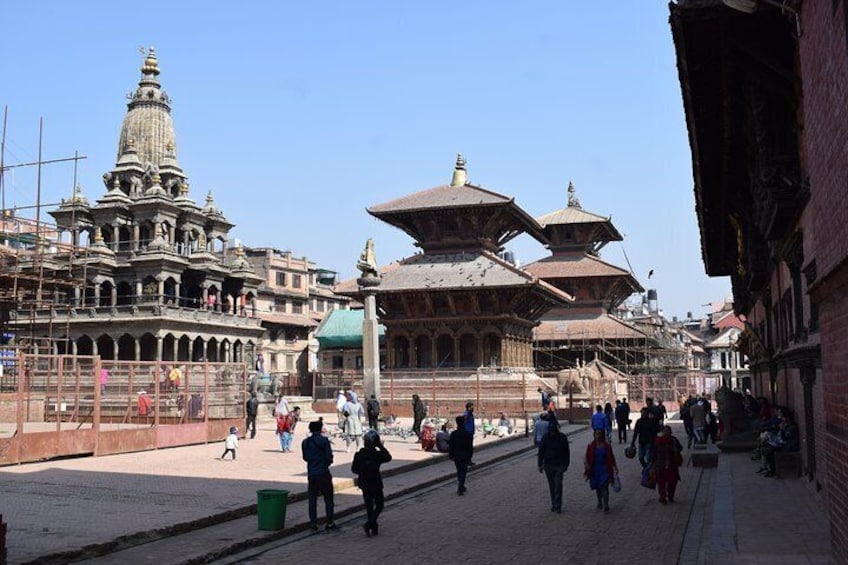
x,y
338,362
296,282
297,307
281,278
280,305
319,305
289,362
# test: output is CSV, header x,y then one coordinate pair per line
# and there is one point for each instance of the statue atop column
x,y
367,265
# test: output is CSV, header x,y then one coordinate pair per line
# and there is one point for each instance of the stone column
x,y
137,347
176,349
136,235
160,289
227,353
96,295
178,298
205,296
116,234
370,336
159,348
137,297
113,296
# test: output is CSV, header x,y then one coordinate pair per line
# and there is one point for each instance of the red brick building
x,y
764,85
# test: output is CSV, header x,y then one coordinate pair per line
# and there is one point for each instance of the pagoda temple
x,y
458,304
586,330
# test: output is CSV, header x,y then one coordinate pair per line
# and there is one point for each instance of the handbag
x,y
649,478
616,483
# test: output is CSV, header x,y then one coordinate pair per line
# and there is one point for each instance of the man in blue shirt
x,y
599,419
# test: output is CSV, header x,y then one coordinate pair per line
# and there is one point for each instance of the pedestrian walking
x,y
621,421
600,468
285,428
419,412
252,409
366,464
461,450
608,415
373,409
353,422
645,432
541,424
554,457
341,400
231,443
667,460
318,455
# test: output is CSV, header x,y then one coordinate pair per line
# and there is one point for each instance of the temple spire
x,y
151,63
460,175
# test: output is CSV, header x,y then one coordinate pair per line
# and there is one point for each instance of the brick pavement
x,y
505,516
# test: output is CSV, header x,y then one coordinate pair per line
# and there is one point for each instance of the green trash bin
x,y
271,508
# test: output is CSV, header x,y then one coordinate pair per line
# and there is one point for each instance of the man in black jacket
x,y
252,406
461,450
366,464
554,458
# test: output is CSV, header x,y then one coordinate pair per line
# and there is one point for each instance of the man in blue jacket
x,y
554,458
319,456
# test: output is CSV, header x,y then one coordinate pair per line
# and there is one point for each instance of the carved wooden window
x,y
281,278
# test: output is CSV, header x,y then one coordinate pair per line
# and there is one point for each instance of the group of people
x,y
699,421
779,434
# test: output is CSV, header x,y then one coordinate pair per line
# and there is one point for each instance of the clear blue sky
x,y
300,115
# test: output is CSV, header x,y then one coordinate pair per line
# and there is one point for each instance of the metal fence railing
x,y
59,405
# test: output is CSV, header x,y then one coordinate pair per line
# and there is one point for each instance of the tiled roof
x,y
446,196
586,326
462,270
728,320
574,266
287,319
570,215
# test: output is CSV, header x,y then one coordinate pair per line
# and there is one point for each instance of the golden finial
x,y
184,188
460,175
98,235
240,251
156,179
169,147
116,183
151,64
209,199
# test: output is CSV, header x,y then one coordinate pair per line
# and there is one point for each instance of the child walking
x,y
231,443
366,464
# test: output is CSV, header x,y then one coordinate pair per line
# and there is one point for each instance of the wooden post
x,y
98,398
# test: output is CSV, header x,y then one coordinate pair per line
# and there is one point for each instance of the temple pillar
x,y
159,348
137,297
136,236
137,348
113,296
160,288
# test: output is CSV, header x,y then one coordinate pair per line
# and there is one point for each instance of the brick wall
x,y
824,72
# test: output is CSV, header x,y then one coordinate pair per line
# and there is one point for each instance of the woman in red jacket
x,y
600,468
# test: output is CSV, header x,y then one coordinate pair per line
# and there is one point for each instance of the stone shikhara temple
x,y
159,280
458,306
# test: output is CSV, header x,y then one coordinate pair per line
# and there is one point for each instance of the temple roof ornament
x,y
573,201
460,175
240,263
151,63
210,208
367,263
148,128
